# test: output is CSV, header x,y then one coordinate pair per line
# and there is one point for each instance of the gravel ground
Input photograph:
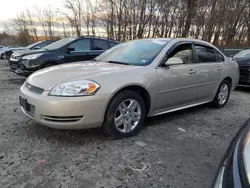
x,y
180,149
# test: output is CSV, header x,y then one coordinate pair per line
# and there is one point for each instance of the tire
x,y
46,65
3,56
129,126
221,99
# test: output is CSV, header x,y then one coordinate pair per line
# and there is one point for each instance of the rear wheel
x,y
125,115
222,94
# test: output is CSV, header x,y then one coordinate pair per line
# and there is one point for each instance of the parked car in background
x,y
234,170
230,52
243,60
127,83
64,51
2,52
35,46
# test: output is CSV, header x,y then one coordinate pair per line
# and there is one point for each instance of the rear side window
x,y
219,57
205,54
81,45
100,45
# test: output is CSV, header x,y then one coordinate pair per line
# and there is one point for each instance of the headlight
x,y
33,56
76,88
246,155
15,57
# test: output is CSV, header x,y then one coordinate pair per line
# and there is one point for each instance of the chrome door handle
x,y
191,71
219,68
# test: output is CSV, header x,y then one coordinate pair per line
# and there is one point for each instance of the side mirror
x,y
70,49
174,61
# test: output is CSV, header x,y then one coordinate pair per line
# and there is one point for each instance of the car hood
x,y
28,52
50,77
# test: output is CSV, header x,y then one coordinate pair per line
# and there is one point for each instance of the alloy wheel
x,y
223,94
127,115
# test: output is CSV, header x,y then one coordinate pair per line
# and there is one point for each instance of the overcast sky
x,y
9,8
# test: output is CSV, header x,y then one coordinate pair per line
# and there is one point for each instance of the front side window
x,y
219,57
184,52
137,52
81,45
100,44
205,54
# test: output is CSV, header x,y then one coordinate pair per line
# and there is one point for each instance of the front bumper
x,y
244,76
65,112
18,68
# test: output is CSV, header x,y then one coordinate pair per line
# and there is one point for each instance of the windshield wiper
x,y
118,62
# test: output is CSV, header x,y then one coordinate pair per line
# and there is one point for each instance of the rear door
x,y
81,51
211,65
98,47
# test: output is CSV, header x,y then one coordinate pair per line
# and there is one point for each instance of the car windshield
x,y
59,43
32,45
137,52
242,54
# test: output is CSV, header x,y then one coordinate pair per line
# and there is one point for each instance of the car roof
x,y
180,40
192,40
96,37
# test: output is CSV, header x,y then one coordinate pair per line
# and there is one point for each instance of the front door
x,y
81,51
178,85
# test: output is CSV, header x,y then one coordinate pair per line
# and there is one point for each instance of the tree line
x,y
221,22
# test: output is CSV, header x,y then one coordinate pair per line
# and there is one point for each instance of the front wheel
x,y
3,56
222,94
125,115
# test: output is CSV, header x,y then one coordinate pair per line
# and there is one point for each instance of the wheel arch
x,y
230,80
138,88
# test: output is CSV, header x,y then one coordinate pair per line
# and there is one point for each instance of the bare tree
x,y
75,14
21,26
